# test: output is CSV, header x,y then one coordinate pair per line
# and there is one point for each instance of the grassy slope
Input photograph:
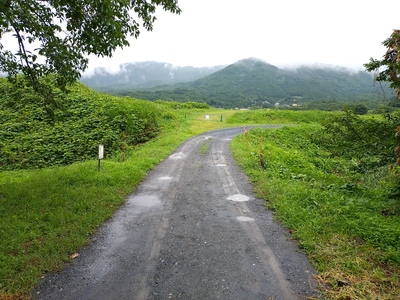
x,y
341,218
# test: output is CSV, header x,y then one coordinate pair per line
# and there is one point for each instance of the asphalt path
x,y
192,230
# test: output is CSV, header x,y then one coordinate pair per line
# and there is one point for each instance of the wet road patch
x,y
179,155
220,165
145,200
244,219
238,198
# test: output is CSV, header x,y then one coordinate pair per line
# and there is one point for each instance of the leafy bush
x,y
31,137
360,109
369,142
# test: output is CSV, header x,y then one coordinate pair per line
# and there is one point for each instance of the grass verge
x,y
342,219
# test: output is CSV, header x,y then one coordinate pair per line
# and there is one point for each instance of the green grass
x,y
46,215
277,116
342,219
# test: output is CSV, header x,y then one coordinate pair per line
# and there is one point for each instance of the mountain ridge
x,y
253,82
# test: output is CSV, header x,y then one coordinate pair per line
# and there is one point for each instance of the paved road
x,y
191,230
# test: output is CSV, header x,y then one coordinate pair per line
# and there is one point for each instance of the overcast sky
x,y
343,33
281,32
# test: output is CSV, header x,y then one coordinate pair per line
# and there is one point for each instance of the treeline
x,y
184,105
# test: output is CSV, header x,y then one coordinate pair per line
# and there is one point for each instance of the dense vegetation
x,y
330,184
33,135
256,84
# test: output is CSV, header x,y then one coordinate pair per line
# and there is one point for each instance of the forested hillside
x,y
254,83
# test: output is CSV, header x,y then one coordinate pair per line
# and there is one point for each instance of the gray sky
x,y
281,32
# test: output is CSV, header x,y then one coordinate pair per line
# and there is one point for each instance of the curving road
x,y
191,230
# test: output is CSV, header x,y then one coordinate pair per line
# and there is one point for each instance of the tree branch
x,y
22,50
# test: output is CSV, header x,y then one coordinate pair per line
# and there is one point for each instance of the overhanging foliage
x,y
65,32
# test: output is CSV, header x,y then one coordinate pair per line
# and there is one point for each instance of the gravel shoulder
x,y
192,230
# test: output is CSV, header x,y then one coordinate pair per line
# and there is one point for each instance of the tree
x,y
55,36
388,69
390,72
360,109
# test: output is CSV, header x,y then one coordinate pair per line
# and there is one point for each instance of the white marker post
x,y
101,153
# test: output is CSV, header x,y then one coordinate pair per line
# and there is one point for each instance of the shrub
x,y
35,135
368,142
360,109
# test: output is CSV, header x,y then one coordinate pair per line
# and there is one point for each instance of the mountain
x,y
144,75
252,82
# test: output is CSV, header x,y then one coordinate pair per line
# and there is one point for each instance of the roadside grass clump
x,y
340,214
277,116
204,148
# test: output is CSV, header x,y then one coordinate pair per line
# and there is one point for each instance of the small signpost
x,y
101,154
